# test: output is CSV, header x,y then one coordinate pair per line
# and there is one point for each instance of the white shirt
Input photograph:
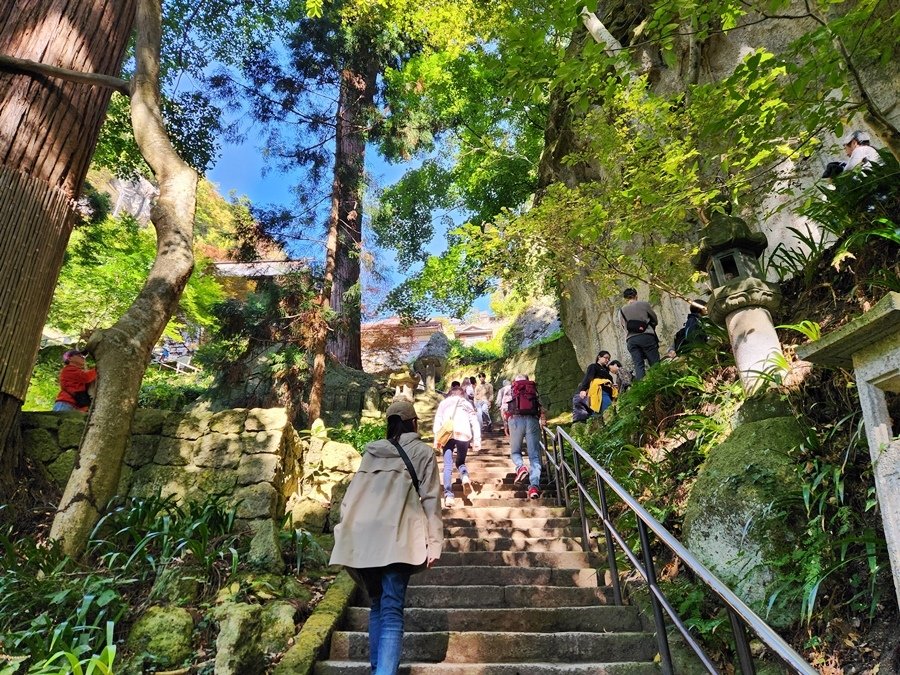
x,y
862,154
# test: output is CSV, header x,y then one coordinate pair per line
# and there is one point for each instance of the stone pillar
x,y
743,307
754,343
870,344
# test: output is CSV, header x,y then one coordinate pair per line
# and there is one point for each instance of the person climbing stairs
x,y
513,593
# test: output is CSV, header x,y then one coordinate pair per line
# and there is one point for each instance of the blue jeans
x,y
386,587
527,428
62,406
606,401
462,449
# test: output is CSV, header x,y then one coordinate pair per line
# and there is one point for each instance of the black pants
x,y
641,348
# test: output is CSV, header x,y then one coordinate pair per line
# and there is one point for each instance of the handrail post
x,y
557,467
565,478
610,547
585,532
741,646
662,638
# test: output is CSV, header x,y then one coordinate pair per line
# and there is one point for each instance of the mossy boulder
x,y
738,521
237,645
277,626
40,444
61,468
70,432
162,636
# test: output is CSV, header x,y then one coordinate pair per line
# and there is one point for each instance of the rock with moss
x,y
162,636
265,547
190,426
149,421
310,642
141,449
70,432
229,421
178,585
277,626
61,468
40,444
735,516
237,645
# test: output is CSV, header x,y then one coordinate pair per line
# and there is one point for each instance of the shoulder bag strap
x,y
409,466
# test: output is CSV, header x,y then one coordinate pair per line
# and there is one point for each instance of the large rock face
x,y
735,521
588,317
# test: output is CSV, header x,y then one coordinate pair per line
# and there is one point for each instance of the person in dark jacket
x,y
597,384
639,321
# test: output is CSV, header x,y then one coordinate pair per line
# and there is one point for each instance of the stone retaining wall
x,y
252,458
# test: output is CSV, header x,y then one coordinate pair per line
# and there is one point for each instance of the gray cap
x,y
403,409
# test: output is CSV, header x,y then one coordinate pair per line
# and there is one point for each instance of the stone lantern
x,y
741,299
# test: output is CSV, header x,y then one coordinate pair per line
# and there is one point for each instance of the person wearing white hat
x,y
859,150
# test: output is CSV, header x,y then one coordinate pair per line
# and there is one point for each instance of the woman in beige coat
x,y
390,528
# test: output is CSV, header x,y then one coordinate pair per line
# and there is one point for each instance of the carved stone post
x,y
740,300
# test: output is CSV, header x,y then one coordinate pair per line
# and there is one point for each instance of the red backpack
x,y
524,399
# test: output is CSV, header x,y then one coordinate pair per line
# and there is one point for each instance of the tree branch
x,y
12,64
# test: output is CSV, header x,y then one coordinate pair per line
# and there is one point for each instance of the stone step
x,y
517,533
529,620
514,499
512,524
363,668
505,647
504,488
514,511
510,544
487,575
552,559
508,596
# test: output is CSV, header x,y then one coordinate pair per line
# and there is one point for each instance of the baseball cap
x,y
403,409
629,293
69,354
858,136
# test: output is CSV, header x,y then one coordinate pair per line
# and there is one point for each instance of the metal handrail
x,y
740,615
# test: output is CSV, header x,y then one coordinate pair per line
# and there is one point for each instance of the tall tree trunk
x,y
344,231
357,94
122,352
48,130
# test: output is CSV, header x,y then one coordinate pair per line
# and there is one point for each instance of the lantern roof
x,y
726,232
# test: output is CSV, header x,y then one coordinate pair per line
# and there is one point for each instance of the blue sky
x,y
242,168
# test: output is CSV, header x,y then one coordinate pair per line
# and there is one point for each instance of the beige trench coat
x,y
382,519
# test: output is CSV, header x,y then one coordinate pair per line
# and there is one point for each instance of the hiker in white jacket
x,y
460,418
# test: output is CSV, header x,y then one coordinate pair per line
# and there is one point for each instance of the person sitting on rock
x,y
597,384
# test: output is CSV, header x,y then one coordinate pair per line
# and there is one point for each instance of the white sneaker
x,y
448,501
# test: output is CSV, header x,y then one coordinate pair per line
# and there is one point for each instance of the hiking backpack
x,y
524,399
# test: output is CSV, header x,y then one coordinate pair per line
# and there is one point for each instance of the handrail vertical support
x,y
557,467
741,646
662,638
579,488
610,547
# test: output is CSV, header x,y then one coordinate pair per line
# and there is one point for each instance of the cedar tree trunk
x,y
48,130
357,95
123,351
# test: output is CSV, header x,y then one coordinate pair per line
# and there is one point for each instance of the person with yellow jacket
x,y
390,528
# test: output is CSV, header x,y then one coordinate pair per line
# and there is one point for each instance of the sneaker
x,y
465,480
521,474
533,493
448,501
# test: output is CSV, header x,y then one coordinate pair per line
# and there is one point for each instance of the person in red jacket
x,y
74,380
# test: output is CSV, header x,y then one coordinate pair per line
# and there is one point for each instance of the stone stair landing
x,y
514,593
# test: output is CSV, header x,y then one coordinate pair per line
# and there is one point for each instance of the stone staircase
x,y
513,594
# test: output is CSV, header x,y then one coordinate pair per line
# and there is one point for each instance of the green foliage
x,y
307,552
105,267
165,389
144,536
843,554
685,402
44,385
481,352
360,435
